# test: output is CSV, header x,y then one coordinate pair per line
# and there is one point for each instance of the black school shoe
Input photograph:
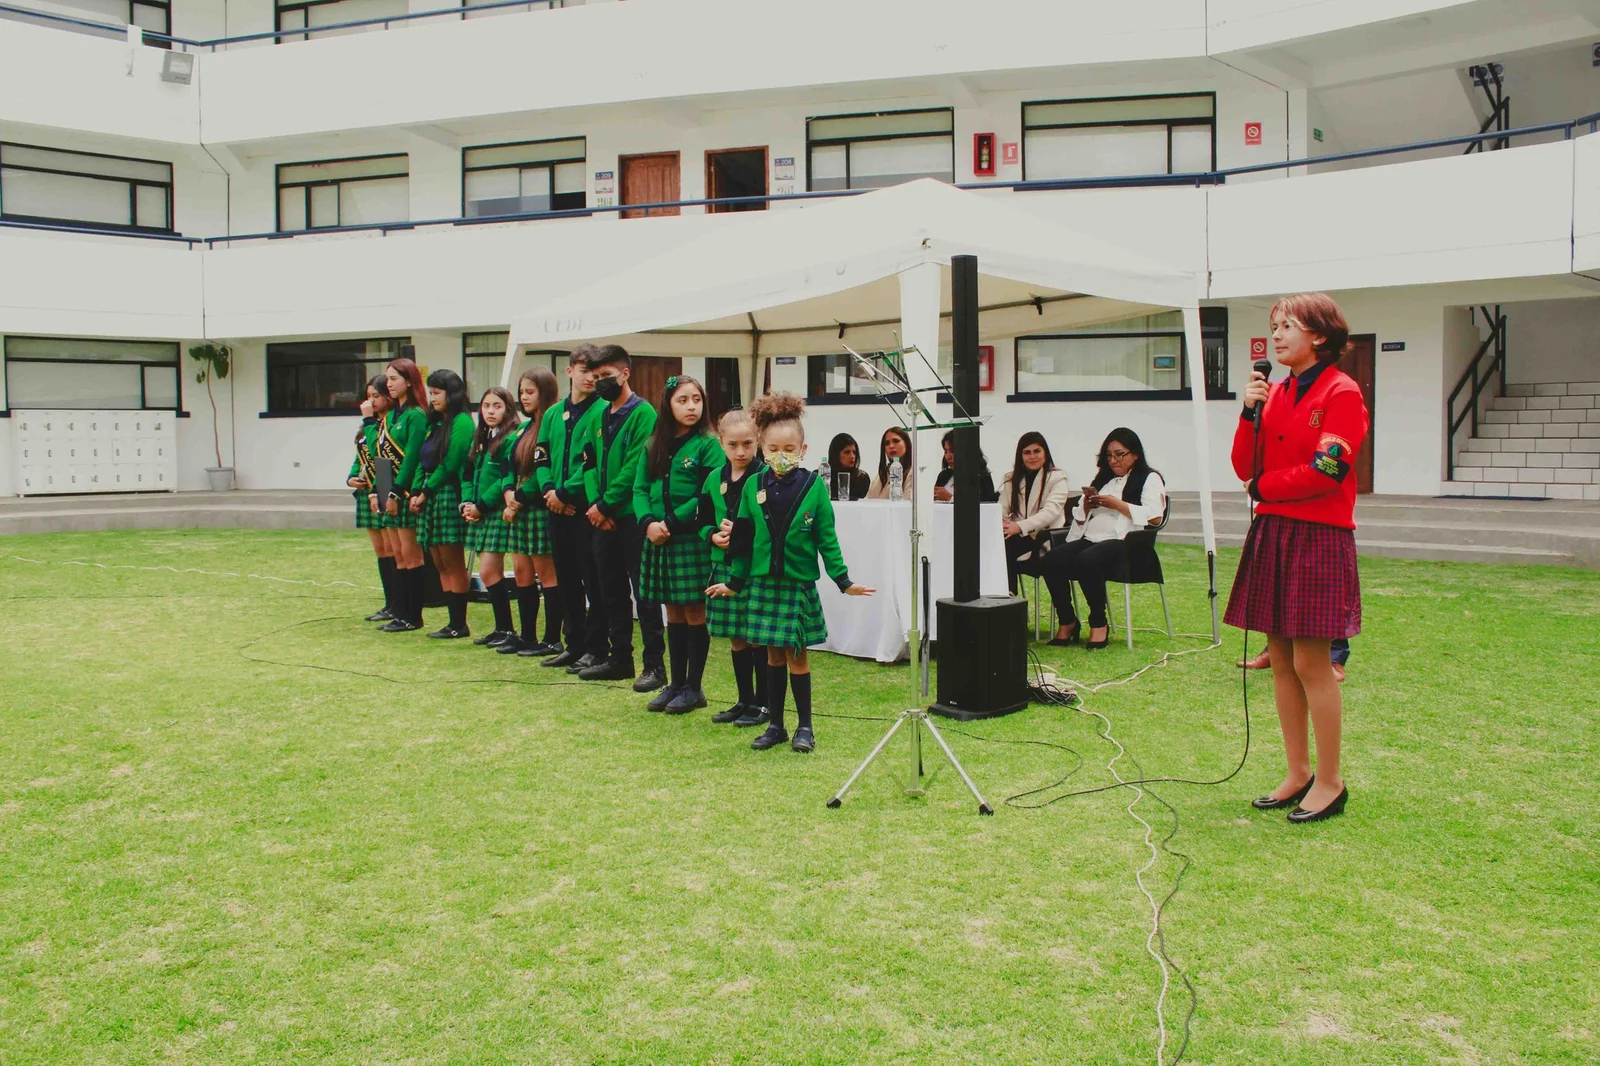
x,y
493,639
449,633
582,663
566,658
774,736
659,701
804,739
398,625
610,670
652,678
732,714
687,699
510,646
1300,816
539,650
382,614
753,716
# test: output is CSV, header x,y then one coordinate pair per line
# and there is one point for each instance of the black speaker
x,y
983,657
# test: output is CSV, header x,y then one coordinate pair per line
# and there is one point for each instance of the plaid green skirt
x,y
441,519
491,533
530,533
676,572
365,518
725,616
403,518
783,614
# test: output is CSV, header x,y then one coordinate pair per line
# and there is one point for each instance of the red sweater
x,y
1307,449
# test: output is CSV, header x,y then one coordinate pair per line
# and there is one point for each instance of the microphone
x,y
1264,368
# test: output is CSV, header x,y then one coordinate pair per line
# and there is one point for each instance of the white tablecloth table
x,y
875,536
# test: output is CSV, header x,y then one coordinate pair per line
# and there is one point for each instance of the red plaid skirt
x,y
1297,579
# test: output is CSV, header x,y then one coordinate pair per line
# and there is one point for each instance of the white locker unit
x,y
95,451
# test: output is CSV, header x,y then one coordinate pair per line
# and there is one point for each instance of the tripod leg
x,y
983,804
838,797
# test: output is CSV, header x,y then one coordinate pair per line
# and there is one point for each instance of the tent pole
x,y
508,367
1202,452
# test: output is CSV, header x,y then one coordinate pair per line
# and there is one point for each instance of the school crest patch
x,y
1316,417
688,462
761,497
723,488
807,519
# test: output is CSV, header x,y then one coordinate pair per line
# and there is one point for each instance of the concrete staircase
x,y
244,509
1538,441
1547,532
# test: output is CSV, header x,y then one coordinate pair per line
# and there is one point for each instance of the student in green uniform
x,y
725,617
440,530
400,437
363,474
775,563
488,532
530,524
675,561
559,481
613,454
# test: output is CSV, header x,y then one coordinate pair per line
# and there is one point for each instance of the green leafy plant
x,y
215,360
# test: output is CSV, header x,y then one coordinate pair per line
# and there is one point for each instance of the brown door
x,y
736,172
650,374
650,179
722,386
1362,365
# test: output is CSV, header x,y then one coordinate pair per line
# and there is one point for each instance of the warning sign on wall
x,y
1252,133
1258,347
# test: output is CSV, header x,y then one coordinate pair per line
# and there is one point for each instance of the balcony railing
x,y
1569,129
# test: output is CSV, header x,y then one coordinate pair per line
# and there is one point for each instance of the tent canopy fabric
x,y
801,282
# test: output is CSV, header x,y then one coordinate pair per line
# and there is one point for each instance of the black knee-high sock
x,y
552,614
416,585
528,611
801,685
699,650
744,669
758,670
457,602
677,652
500,600
386,574
777,683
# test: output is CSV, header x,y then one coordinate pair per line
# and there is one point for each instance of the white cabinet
x,y
95,451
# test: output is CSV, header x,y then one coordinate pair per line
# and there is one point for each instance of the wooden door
x,y
722,386
1362,365
736,172
649,179
650,374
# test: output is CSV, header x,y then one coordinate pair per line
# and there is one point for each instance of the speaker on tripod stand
x,y
983,640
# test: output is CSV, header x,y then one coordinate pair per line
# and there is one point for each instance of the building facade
x,y
225,171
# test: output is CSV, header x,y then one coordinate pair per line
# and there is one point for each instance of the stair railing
x,y
1487,76
1488,365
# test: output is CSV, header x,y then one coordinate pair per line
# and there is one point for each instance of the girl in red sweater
x,y
1297,579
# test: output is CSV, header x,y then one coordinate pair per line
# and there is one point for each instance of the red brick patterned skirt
x,y
1297,579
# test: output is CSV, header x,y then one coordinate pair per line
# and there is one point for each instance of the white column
x,y
1202,438
919,327
510,364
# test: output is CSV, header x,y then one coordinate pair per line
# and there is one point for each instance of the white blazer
x,y
1043,508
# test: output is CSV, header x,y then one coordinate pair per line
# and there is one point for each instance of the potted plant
x,y
214,360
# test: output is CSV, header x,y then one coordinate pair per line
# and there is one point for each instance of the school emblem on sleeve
x,y
1316,417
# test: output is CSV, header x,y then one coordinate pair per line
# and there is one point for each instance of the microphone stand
x,y
917,716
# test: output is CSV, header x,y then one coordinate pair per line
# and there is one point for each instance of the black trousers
x,y
1016,566
572,546
616,560
1088,563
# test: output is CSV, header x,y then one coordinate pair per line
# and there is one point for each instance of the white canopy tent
x,y
870,271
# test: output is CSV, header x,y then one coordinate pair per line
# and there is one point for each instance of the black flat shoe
x,y
686,700
380,615
652,678
732,714
510,646
1300,815
1267,803
610,670
581,663
774,736
449,633
398,625
753,716
804,739
492,639
659,701
564,659
539,650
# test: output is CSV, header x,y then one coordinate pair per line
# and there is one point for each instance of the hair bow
x,y
672,382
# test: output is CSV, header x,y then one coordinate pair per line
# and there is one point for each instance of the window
x,y
344,192
306,377
1119,136
49,373
1136,358
519,179
840,379
531,5
887,148
43,184
483,356
309,14
1214,343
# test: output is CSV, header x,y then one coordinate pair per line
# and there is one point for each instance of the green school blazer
x,y
454,466
675,499
400,440
786,547
612,465
720,499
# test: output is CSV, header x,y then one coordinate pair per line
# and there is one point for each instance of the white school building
x,y
177,173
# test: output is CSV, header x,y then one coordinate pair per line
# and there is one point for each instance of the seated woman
x,y
1033,497
844,457
944,487
1125,495
895,444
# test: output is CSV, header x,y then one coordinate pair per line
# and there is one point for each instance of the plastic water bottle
x,y
825,474
897,480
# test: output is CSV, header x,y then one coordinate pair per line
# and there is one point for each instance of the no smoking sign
x,y
1252,133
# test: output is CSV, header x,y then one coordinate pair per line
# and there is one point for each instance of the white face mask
x,y
783,463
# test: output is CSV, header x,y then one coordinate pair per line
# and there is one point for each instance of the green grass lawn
x,y
210,858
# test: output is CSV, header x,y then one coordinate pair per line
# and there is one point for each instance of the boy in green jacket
x,y
613,452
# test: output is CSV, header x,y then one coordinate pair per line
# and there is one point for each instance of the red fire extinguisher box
x,y
983,155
